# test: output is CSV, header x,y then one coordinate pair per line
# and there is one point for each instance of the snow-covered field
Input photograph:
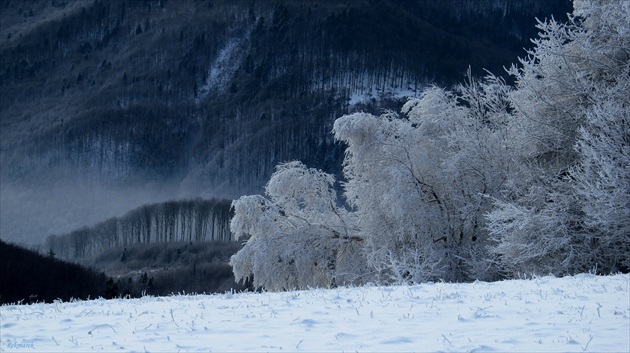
x,y
545,314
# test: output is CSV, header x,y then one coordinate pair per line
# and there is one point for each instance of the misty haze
x,y
337,153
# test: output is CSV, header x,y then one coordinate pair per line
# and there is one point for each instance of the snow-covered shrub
x,y
298,236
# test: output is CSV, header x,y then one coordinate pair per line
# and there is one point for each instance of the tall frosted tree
x,y
420,182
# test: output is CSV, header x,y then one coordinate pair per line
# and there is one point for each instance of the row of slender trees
x,y
173,221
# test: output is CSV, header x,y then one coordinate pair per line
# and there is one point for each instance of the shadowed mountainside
x,y
112,104
30,277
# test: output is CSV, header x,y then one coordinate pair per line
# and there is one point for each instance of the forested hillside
x,y
27,277
107,105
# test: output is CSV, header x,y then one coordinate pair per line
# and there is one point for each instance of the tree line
x,y
194,220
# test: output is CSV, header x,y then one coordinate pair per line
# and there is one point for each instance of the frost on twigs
x,y
565,204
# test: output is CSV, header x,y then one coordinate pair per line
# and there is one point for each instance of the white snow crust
x,y
545,314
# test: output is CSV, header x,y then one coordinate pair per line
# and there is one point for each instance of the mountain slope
x,y
184,99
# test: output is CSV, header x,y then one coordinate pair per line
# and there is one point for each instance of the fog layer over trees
x,y
485,181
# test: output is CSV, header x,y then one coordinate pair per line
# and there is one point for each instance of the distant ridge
x,y
27,276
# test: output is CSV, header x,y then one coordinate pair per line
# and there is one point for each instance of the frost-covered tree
x,y
396,196
558,212
419,183
601,179
298,236
602,184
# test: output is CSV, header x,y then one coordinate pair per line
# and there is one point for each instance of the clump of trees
x,y
483,182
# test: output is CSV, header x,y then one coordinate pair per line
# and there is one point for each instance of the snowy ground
x,y
547,314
